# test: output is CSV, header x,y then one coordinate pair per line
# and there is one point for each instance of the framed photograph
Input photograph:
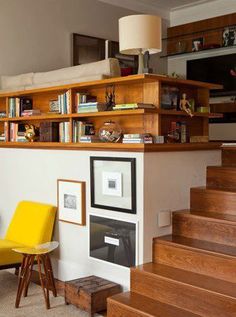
x,y
229,36
113,241
113,183
197,44
71,201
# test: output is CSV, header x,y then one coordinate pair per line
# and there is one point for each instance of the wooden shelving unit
x,y
210,30
144,88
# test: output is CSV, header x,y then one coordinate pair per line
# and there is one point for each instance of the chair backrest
x,y
32,223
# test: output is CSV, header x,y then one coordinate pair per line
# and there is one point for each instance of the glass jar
x,y
110,132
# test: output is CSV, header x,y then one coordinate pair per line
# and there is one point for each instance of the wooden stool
x,y
90,293
40,255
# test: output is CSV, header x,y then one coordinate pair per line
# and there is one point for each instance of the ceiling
x,y
162,7
172,4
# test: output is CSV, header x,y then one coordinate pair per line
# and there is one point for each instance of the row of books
x,y
17,132
16,106
64,102
81,128
64,132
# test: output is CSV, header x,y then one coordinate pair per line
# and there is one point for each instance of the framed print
x,y
229,36
113,241
113,183
71,201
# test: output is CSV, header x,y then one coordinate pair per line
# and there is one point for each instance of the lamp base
x,y
143,63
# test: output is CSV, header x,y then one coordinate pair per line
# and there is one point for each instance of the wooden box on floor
x,y
90,293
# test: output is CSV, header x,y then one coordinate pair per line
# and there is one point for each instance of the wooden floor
x,y
193,272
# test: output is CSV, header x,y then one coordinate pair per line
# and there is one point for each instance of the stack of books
x,y
16,106
64,132
81,128
128,106
64,102
83,97
145,138
91,107
2,137
89,139
32,112
17,132
3,114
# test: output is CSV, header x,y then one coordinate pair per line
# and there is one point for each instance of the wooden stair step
x,y
214,229
197,256
181,288
221,177
213,200
131,304
229,156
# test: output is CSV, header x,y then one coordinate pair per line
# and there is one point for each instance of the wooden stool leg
x,y
39,261
46,275
50,274
22,278
31,264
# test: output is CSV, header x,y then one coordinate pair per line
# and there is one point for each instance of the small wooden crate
x,y
90,293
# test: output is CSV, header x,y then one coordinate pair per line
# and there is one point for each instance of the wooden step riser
x,y
195,261
229,158
182,295
210,201
223,178
204,229
114,309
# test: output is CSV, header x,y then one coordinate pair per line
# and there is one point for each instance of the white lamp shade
x,y
140,33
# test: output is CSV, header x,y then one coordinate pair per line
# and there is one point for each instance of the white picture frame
x,y
71,201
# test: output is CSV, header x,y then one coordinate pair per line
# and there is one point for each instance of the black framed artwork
x,y
113,183
113,240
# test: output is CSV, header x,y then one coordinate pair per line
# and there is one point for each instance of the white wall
x,y
32,175
168,177
202,11
36,35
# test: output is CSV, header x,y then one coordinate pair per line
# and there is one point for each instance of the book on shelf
x,y
89,139
64,132
49,131
32,112
145,138
16,106
91,107
81,128
64,102
83,97
17,132
3,114
126,106
2,137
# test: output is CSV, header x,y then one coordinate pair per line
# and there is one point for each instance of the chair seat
x,y
7,255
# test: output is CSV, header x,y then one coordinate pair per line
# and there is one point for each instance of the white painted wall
x,y
36,35
202,11
32,175
168,178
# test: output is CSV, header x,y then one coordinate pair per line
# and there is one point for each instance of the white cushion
x,y
67,82
8,82
109,67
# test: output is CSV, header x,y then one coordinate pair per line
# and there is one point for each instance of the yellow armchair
x,y
31,224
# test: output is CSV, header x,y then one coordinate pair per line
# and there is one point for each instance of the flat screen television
x,y
218,70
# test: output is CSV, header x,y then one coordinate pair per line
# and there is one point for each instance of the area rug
x,y
33,305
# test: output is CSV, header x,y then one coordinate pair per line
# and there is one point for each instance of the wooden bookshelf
x,y
145,88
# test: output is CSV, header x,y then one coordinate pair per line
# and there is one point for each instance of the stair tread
x,y
200,245
213,216
215,190
190,278
148,306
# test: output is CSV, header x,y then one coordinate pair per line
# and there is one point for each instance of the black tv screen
x,y
217,70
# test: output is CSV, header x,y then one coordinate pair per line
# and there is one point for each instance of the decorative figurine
x,y
185,105
110,132
31,132
110,97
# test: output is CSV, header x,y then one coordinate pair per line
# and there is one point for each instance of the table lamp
x,y
140,35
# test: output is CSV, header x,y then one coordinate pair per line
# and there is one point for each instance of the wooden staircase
x,y
193,272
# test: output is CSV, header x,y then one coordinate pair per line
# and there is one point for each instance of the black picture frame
x,y
132,161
